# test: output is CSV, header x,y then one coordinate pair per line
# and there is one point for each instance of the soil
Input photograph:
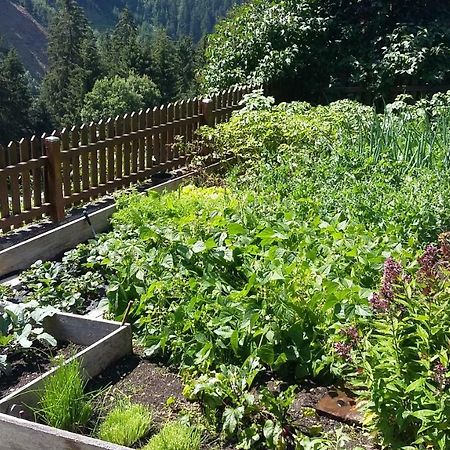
x,y
26,366
154,385
146,383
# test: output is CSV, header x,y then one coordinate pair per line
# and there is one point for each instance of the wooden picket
x,y
46,175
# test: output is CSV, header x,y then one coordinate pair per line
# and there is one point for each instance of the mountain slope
x,y
180,17
26,35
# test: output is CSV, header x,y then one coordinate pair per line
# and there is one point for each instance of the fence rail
x,y
44,176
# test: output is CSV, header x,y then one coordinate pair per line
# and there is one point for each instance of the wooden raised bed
x,y
105,342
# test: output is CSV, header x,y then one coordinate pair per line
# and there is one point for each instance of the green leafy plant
x,y
175,436
401,351
63,403
125,424
21,327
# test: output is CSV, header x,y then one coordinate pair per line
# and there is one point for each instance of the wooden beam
x,y
19,434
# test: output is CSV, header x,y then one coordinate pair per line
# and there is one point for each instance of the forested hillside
x,y
192,18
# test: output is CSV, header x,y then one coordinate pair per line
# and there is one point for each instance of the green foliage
x,y
269,273
73,64
21,327
67,285
250,415
15,98
125,424
63,403
111,97
175,436
300,48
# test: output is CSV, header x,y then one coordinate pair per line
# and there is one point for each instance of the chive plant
x,y
63,403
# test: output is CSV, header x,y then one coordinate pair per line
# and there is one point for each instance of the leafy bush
x,y
63,403
115,96
125,424
295,47
175,436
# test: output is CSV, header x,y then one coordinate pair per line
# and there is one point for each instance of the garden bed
x,y
26,366
105,342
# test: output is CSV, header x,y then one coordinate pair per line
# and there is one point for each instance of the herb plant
x,y
63,403
125,424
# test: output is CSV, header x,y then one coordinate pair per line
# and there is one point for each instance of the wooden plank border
x,y
106,342
20,434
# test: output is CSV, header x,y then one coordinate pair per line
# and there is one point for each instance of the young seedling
x,y
126,424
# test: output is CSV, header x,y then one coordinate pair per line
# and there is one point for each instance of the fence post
x,y
207,111
55,192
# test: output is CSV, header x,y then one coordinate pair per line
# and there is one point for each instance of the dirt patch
x,y
146,383
309,422
27,366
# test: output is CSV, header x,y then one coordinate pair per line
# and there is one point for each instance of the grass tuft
x,y
125,424
175,436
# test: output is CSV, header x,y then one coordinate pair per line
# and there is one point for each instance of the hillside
x,y
26,35
180,17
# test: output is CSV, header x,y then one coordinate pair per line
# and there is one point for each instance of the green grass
x,y
63,403
175,436
125,424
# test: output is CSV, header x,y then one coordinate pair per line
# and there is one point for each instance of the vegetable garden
x,y
321,258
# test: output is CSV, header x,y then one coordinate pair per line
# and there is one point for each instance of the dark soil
x,y
26,366
146,383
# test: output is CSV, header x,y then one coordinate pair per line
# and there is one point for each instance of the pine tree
x,y
120,51
73,63
188,64
166,66
15,97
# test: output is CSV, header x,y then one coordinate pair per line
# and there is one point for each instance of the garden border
x,y
53,243
106,342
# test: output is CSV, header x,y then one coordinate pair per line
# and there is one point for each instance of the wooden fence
x,y
44,176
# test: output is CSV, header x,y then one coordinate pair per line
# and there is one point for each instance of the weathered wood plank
x,y
19,434
24,146
85,176
93,154
102,152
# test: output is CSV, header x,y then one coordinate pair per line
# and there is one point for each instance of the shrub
x,y
117,96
